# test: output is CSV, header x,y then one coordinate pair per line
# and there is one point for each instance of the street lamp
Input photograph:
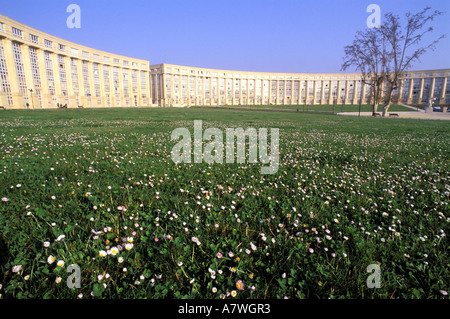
x,y
32,102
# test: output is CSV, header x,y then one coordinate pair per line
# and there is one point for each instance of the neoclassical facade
x,y
175,85
40,71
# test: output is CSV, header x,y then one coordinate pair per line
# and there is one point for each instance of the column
x,y
443,91
315,92
43,76
433,83
195,90
346,92
330,92
70,90
103,93
410,91
355,92
203,91
111,85
400,91
422,82
219,99
307,91
363,92
148,87
57,77
240,91
233,90
338,92
172,90
322,93
247,100
188,89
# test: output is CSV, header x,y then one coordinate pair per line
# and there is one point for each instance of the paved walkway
x,y
408,115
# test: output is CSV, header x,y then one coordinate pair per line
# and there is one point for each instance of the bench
x,y
2,108
393,115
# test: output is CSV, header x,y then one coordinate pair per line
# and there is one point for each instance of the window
x,y
74,51
116,85
35,67
126,90
34,39
116,61
48,44
49,72
95,68
134,80
61,47
4,79
125,63
106,78
85,70
85,54
2,29
74,69
20,68
106,59
143,81
17,33
96,57
63,78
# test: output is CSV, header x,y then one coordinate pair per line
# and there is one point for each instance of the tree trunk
x,y
376,99
386,109
389,101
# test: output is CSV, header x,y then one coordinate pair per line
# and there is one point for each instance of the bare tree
x,y
383,54
366,53
405,46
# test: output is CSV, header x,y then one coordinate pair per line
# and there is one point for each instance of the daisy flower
x,y
17,268
240,285
114,251
50,259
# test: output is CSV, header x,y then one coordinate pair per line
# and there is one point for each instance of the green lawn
x,y
350,192
324,108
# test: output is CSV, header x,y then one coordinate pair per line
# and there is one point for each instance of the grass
x,y
350,192
338,108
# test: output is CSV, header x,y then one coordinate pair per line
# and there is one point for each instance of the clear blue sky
x,y
247,35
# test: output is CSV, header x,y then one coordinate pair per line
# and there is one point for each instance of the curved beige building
x,y
38,70
175,85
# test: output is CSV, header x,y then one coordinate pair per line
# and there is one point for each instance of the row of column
x,y
337,94
339,91
103,91
441,99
